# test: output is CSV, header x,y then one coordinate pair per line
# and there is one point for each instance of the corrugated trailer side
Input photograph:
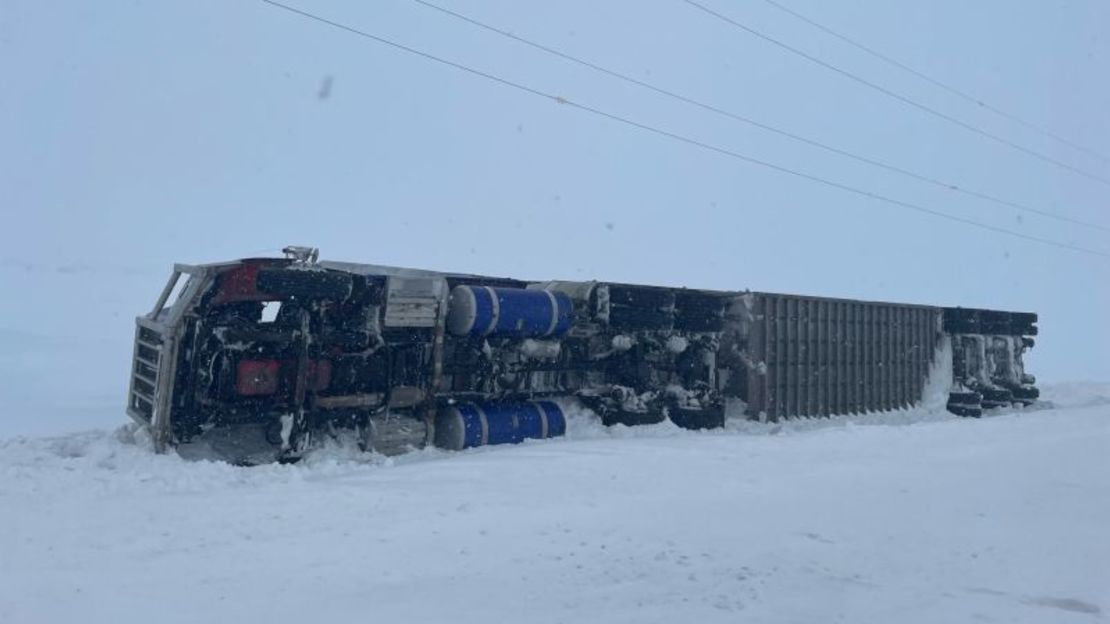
x,y
816,356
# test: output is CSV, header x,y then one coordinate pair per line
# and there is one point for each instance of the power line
x,y
897,96
935,82
737,117
678,137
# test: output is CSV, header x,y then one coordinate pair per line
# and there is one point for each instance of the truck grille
x,y
144,372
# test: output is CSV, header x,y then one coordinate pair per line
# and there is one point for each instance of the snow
x,y
286,429
913,516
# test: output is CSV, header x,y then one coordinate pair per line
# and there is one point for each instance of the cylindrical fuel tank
x,y
517,312
467,425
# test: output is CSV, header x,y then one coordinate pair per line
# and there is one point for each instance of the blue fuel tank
x,y
514,312
467,425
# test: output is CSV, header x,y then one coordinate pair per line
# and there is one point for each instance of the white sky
x,y
136,134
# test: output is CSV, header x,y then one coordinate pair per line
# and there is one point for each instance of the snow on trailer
x,y
261,356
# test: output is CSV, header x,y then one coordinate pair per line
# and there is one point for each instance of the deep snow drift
x,y
932,519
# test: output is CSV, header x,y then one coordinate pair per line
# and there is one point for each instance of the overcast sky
x,y
135,134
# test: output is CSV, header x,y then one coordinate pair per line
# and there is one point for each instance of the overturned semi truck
x,y
273,353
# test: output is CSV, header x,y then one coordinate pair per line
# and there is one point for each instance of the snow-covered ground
x,y
931,519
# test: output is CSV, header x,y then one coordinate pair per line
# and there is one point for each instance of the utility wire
x,y
935,82
678,137
897,96
737,117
